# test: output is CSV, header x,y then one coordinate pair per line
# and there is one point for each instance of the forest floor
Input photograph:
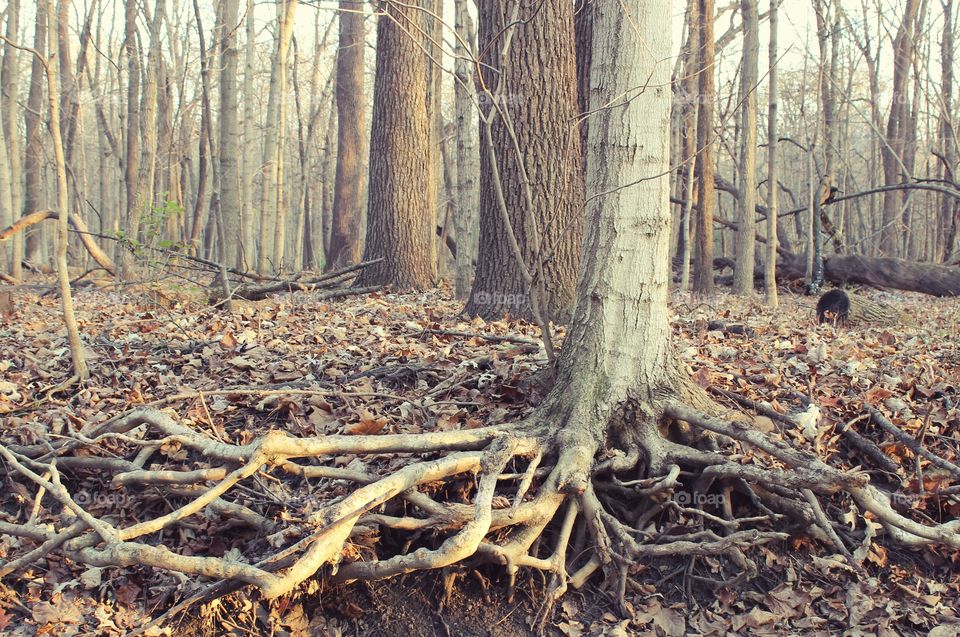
x,y
410,363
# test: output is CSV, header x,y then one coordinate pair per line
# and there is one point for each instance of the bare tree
x,y
745,247
466,215
706,196
229,155
401,220
9,93
33,148
531,179
773,173
897,129
348,187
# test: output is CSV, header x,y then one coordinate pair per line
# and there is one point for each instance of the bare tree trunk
x,y
893,151
949,207
287,9
773,173
131,48
6,200
688,141
33,148
531,179
401,220
10,87
63,204
466,215
706,196
248,218
348,187
200,204
745,242
229,156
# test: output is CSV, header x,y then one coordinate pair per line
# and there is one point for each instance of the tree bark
x,y
401,222
745,243
949,207
131,178
287,9
531,165
33,148
80,370
893,151
706,197
348,186
10,88
773,191
466,215
229,156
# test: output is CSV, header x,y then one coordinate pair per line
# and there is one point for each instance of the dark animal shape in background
x,y
833,306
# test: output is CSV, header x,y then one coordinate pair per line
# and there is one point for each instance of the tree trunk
x,y
131,178
745,243
33,148
949,207
688,142
287,9
530,162
706,197
401,222
466,214
10,88
229,155
63,204
348,187
773,191
249,220
893,151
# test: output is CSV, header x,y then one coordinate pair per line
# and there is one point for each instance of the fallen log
x,y
883,272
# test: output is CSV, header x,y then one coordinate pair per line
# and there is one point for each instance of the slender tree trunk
x,y
63,204
229,155
893,151
131,48
401,221
6,200
466,215
33,148
949,207
10,87
348,187
200,209
706,195
248,218
745,243
773,173
287,9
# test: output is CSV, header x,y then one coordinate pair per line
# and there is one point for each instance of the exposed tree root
x,y
531,495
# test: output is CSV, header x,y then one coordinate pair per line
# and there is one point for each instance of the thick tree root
x,y
532,495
